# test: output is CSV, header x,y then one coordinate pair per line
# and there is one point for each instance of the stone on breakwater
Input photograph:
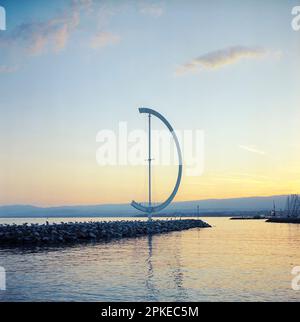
x,y
67,233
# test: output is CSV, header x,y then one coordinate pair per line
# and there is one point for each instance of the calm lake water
x,y
232,261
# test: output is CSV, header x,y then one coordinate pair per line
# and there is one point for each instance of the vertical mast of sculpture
x,y
149,165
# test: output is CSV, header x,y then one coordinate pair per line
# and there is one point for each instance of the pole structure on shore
x,y
149,165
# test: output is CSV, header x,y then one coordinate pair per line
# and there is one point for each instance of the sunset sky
x,y
71,68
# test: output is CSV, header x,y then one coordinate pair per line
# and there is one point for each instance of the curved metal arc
x,y
172,195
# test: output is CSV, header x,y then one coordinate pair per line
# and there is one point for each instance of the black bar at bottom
x,y
127,311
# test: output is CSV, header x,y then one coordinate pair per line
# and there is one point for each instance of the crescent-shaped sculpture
x,y
150,209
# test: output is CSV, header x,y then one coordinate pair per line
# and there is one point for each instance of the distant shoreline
x,y
125,216
244,206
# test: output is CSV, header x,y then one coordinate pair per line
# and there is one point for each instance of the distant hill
x,y
207,207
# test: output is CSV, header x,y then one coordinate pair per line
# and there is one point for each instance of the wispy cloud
x,y
33,38
245,178
249,175
40,36
220,58
103,39
252,149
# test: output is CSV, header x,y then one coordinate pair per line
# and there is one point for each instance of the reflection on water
x,y
152,293
234,260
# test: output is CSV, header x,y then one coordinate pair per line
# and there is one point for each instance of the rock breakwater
x,y
70,233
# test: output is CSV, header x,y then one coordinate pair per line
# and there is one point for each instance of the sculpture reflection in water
x,y
174,275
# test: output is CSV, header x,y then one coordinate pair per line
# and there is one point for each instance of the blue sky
x,y
71,68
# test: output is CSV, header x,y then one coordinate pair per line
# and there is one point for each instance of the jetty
x,y
71,233
257,217
285,220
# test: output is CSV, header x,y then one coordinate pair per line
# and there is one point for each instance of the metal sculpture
x,y
150,209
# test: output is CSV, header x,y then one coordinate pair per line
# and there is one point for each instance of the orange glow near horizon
x,y
88,185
